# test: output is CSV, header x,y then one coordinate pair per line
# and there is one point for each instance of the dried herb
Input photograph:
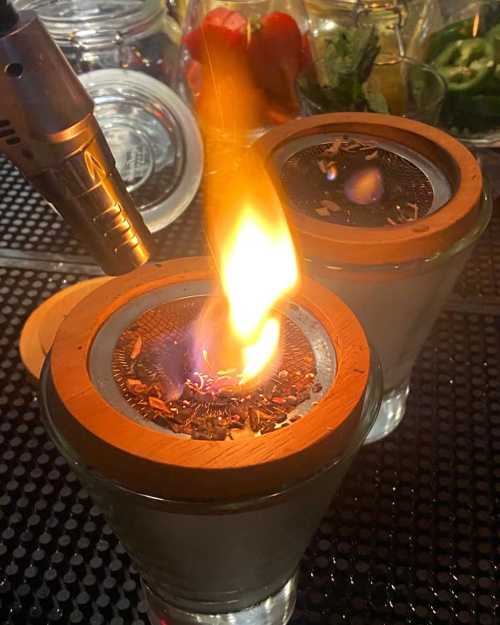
x,y
153,367
321,181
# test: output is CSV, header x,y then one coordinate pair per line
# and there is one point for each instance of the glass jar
x,y
99,34
403,24
386,16
463,45
387,211
424,16
361,63
400,86
240,60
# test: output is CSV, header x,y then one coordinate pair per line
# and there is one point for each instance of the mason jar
x,y
362,61
387,17
104,34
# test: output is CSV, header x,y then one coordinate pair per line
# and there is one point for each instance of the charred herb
x,y
155,371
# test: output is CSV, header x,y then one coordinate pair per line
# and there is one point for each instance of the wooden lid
x,y
41,326
162,465
402,243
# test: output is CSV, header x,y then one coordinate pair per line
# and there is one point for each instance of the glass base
x,y
275,610
391,413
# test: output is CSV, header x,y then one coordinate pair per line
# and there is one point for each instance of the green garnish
x,y
349,55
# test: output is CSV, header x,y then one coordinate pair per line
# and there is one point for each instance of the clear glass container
x,y
240,60
154,139
398,306
463,44
399,86
103,34
361,63
226,556
215,563
388,17
387,211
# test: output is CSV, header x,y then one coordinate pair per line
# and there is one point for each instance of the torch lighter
x,y
48,130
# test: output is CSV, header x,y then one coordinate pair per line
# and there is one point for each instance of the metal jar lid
x,y
154,138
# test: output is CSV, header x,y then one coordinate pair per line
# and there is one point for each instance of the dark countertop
x,y
413,537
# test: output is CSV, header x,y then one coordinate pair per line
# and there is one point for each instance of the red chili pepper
x,y
194,77
225,29
276,56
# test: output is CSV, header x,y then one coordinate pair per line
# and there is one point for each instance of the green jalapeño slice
x,y
466,64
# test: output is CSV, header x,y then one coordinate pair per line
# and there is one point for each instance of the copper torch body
x,y
48,130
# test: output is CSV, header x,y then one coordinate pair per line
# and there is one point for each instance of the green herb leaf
x,y
349,54
375,100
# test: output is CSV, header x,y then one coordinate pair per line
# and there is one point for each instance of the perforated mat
x,y
28,224
412,538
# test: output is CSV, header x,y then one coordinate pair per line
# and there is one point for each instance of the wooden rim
x,y
158,464
402,243
41,326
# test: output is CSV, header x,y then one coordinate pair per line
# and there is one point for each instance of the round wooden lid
x,y
41,326
157,463
407,242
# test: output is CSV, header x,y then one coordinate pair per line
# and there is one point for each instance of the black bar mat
x,y
412,538
27,224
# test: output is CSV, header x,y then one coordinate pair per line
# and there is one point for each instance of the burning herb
x,y
168,390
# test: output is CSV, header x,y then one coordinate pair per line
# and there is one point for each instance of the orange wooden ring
x,y
403,243
162,465
41,326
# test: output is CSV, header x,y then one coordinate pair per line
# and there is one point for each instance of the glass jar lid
x,y
154,138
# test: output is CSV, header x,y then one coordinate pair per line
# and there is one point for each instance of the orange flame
x,y
365,186
258,268
475,24
247,229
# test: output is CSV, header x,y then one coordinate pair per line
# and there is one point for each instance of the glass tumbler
x,y
387,211
216,528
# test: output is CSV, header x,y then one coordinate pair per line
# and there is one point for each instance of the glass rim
x,y
484,213
125,19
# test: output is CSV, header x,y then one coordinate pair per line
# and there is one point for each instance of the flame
x,y
475,24
258,354
252,281
365,186
247,230
258,268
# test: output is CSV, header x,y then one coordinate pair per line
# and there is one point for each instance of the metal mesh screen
x,y
352,182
